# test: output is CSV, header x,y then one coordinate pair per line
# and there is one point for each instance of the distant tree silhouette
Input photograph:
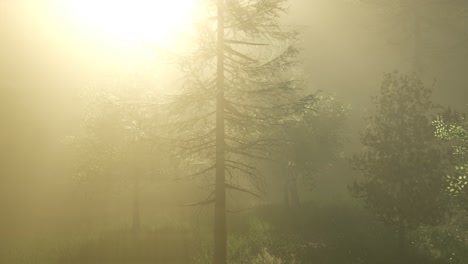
x,y
402,164
312,143
117,142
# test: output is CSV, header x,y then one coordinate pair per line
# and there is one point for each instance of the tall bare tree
x,y
241,82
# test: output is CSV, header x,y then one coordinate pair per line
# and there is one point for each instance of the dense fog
x,y
234,131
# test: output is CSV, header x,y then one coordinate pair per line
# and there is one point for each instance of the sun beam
x,y
155,21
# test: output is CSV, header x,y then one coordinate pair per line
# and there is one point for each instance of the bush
x,y
442,244
259,245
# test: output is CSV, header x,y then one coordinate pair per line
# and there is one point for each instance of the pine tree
x,y
242,81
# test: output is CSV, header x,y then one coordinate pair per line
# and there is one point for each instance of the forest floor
x,y
267,234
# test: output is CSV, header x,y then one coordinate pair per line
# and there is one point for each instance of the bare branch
x,y
197,173
204,202
240,169
230,41
242,153
240,164
211,132
238,54
241,189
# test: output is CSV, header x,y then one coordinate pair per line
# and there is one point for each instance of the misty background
x,y
47,62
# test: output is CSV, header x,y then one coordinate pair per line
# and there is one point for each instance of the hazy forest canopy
x,y
234,131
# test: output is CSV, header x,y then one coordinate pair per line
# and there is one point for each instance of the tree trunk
x,y
287,201
136,207
291,195
416,27
294,192
220,231
402,241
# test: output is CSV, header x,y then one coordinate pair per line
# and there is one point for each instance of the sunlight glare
x,y
155,21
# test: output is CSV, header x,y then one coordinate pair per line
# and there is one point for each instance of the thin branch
x,y
231,41
241,153
238,54
240,169
200,137
199,145
204,202
240,210
197,173
241,189
240,163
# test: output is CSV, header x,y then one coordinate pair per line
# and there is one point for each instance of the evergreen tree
x,y
402,166
240,83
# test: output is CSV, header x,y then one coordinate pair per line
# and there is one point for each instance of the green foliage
x,y
259,245
321,234
314,142
457,185
402,166
457,135
441,244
